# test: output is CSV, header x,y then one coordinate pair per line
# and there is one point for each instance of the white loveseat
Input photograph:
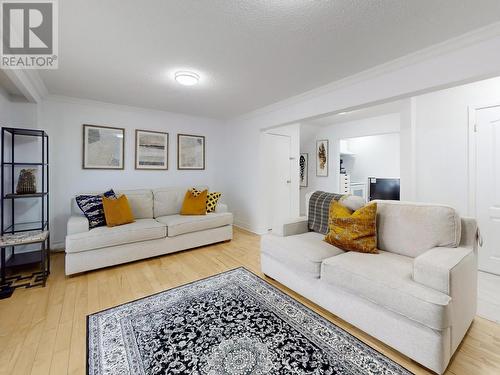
x,y
158,229
418,295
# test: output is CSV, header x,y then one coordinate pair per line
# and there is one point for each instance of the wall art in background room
x,y
322,158
151,150
190,152
103,147
304,169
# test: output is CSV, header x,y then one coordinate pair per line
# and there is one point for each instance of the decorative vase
x,y
26,183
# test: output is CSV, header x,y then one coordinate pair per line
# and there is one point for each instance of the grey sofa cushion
x,y
386,279
141,202
168,201
412,228
302,252
139,230
181,224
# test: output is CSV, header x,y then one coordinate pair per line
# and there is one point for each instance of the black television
x,y
383,188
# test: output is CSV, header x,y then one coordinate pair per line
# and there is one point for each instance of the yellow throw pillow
x,y
353,231
117,211
194,203
212,199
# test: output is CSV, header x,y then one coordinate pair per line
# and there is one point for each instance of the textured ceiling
x,y
250,53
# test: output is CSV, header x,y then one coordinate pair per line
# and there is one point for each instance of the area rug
x,y
233,323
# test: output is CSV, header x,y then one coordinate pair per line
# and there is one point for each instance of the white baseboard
x,y
57,246
249,228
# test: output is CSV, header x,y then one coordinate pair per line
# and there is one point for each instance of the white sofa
x,y
158,229
418,295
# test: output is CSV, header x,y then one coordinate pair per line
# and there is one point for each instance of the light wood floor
x,y
43,330
488,299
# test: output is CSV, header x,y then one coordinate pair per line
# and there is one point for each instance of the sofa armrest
x,y
221,207
445,269
77,224
292,226
452,271
470,233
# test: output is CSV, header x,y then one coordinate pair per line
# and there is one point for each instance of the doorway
x,y
370,166
278,150
486,164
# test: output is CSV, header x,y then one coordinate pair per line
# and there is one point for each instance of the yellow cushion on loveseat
x,y
353,231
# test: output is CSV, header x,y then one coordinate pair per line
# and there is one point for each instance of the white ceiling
x,y
8,85
249,53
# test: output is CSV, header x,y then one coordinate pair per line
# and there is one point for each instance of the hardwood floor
x,y
43,330
488,301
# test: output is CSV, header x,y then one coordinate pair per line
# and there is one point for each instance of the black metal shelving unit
x,y
9,223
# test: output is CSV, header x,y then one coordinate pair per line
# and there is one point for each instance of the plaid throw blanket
x,y
319,207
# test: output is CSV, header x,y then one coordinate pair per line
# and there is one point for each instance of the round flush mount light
x,y
186,78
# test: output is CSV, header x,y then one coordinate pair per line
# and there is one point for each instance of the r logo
x,y
27,28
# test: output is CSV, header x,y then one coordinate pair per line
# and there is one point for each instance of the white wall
x,y
17,113
374,156
407,154
334,133
441,141
63,119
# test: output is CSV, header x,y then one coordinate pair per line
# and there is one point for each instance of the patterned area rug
x,y
233,323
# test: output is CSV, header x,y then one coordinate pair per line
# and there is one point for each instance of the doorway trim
x,y
270,221
472,155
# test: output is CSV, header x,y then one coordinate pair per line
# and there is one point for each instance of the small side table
x,y
41,256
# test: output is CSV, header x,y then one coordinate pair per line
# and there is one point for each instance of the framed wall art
x,y
303,169
151,150
103,147
322,158
190,152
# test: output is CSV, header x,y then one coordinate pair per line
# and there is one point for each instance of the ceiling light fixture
x,y
343,113
187,78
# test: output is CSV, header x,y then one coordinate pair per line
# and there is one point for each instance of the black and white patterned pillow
x,y
91,206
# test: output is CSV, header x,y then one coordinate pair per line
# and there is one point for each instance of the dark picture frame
x,y
190,148
98,147
152,164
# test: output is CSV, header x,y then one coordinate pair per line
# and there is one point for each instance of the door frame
x,y
472,156
270,221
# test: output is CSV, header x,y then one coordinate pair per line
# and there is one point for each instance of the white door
x,y
488,186
279,176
